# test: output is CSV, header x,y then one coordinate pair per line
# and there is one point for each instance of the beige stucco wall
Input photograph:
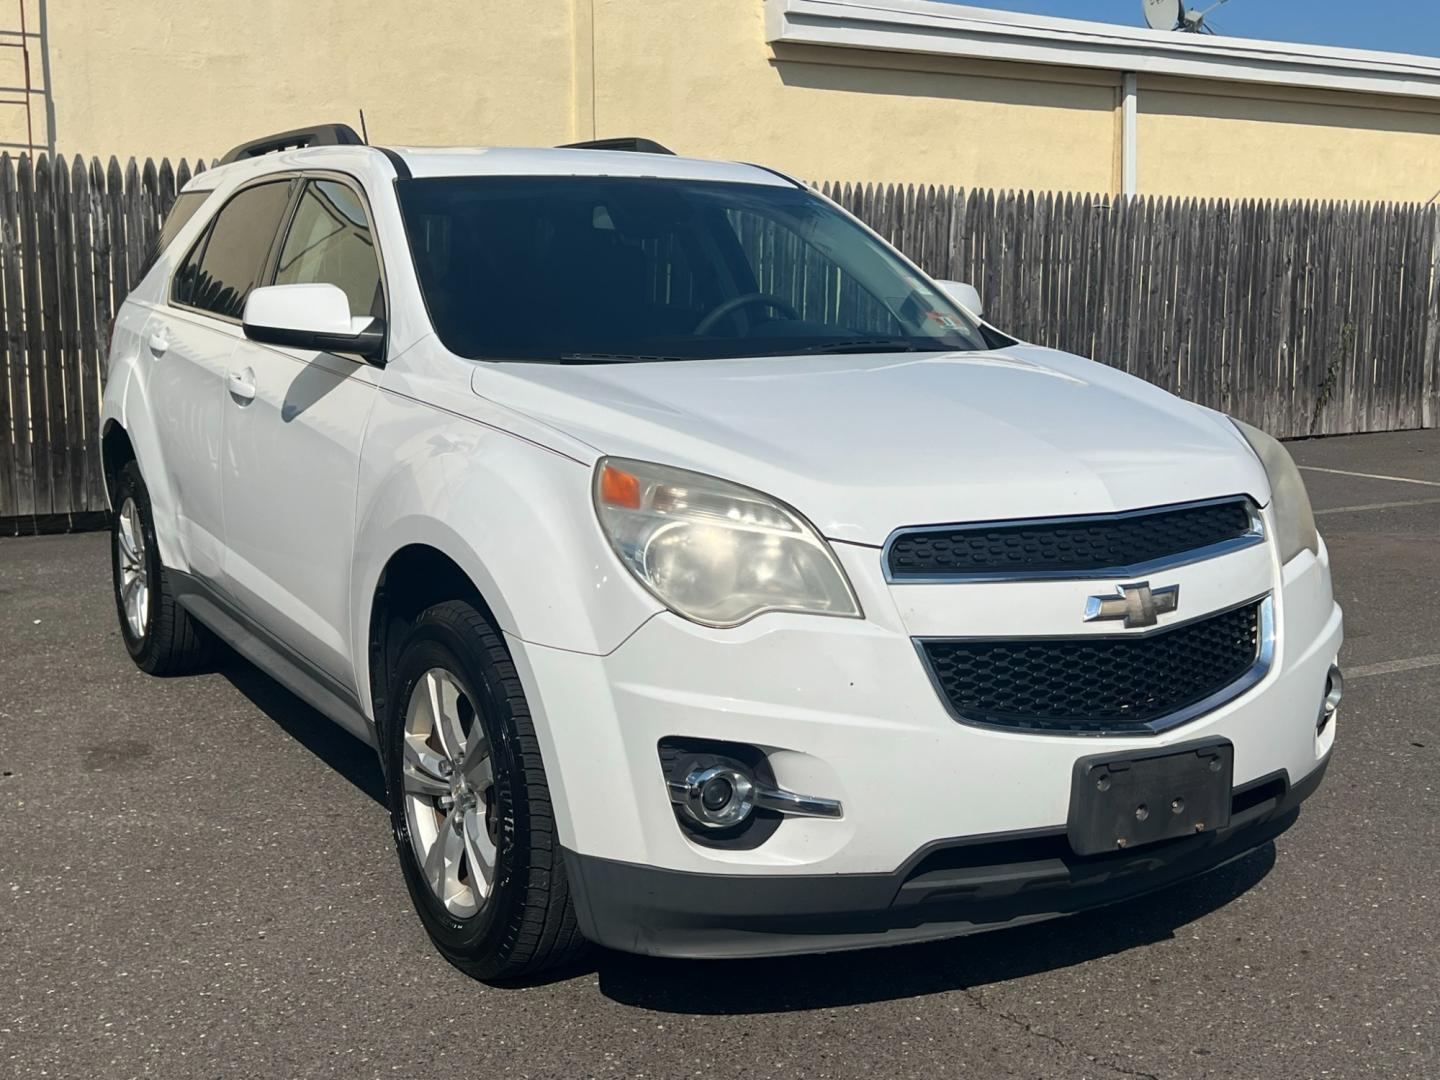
x,y
150,78
718,88
181,79
1290,144
159,79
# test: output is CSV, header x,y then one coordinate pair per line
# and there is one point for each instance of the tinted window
x,y
230,258
330,242
584,269
845,302
181,211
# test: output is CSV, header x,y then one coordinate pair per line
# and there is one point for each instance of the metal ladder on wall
x,y
28,35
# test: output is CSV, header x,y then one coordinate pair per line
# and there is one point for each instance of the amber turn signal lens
x,y
619,488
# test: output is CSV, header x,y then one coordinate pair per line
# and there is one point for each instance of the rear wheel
x,y
469,803
160,635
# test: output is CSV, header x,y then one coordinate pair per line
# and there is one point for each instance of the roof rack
x,y
319,135
629,143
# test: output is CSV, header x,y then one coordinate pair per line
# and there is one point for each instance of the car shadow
x,y
797,984
327,740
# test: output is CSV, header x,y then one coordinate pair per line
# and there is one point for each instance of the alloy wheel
x,y
448,779
134,581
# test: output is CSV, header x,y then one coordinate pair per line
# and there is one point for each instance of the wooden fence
x,y
1304,318
73,238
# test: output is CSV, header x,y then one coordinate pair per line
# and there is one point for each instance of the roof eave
x,y
939,29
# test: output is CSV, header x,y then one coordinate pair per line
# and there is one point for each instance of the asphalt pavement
x,y
197,879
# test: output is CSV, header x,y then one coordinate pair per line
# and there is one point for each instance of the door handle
x,y
242,385
159,342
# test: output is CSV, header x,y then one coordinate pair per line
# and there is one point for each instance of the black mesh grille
x,y
1093,684
1066,545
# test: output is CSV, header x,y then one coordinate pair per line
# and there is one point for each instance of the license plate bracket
x,y
1126,800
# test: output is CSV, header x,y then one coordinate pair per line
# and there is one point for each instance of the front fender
x,y
515,516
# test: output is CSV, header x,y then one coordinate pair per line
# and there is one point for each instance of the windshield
x,y
587,269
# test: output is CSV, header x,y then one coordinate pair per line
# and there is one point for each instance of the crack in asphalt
x,y
977,999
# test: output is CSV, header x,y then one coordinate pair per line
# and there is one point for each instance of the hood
x,y
862,445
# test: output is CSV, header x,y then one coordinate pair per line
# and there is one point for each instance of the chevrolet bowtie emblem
x,y
1138,604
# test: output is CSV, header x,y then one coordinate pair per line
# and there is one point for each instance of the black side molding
x,y
628,143
319,135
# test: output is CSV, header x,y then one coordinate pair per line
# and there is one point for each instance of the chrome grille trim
x,y
1255,535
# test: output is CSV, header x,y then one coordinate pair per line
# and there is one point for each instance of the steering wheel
x,y
735,303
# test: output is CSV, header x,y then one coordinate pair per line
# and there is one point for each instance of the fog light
x,y
725,794
716,793
718,797
1334,691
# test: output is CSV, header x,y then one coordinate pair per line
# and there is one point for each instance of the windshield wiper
x,y
841,345
616,358
862,345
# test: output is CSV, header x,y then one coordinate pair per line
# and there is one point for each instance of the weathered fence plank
x,y
53,363
16,388
34,354
15,498
89,332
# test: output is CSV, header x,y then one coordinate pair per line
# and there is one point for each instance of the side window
x,y
330,242
182,286
181,211
224,266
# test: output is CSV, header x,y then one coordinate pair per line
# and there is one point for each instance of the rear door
x,y
187,347
292,441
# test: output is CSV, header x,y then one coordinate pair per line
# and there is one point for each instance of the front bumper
x,y
948,889
844,709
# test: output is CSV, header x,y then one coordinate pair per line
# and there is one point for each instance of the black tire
x,y
527,923
171,642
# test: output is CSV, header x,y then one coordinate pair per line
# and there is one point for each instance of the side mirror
x,y
964,295
311,317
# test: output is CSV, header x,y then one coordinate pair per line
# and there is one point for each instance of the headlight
x,y
715,552
1289,503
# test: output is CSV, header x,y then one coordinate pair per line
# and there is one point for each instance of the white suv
x,y
710,581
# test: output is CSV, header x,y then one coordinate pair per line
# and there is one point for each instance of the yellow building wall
x,y
194,78
698,76
197,78
1197,138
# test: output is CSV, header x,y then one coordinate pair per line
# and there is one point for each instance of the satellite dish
x,y
1172,15
1162,14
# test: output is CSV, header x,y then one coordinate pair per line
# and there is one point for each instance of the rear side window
x,y
330,242
181,211
225,265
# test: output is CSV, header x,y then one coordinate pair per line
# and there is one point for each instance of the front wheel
x,y
469,803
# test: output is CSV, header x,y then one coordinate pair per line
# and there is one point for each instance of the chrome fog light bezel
x,y
737,807
1334,692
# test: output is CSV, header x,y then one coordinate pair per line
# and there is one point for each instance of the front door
x,y
186,354
294,424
